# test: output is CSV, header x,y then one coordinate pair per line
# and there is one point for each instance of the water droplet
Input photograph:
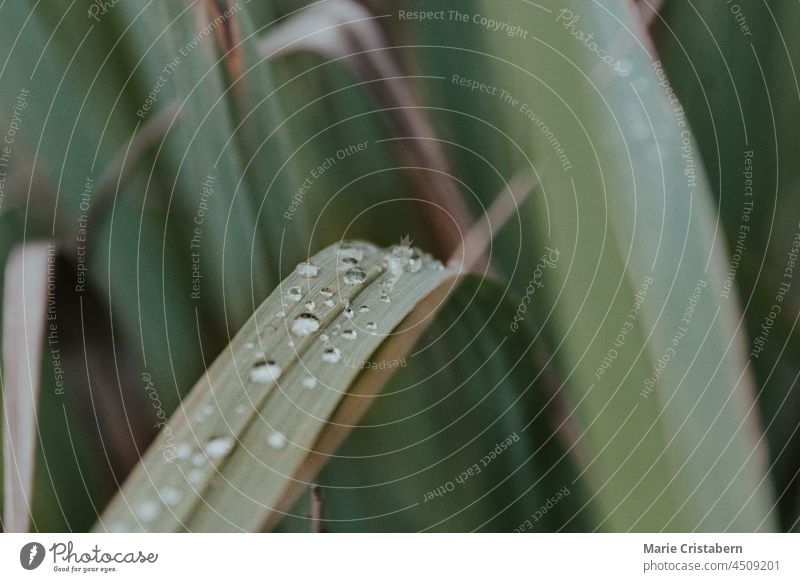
x,y
265,372
414,262
171,496
402,252
355,276
305,324
329,303
349,250
385,297
348,313
307,270
310,305
348,262
294,293
310,382
363,309
218,447
276,440
147,510
324,338
370,326
326,292
349,334
183,450
195,477
332,355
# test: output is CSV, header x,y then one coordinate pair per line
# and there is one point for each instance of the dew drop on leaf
x,y
147,510
307,270
294,293
349,250
183,450
171,496
332,355
414,262
218,447
195,477
276,440
265,372
355,276
305,324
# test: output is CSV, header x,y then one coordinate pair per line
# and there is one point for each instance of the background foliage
x,y
713,447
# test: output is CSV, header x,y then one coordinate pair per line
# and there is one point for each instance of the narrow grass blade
x,y
229,453
24,310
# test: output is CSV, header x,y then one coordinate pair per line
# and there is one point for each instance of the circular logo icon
x,y
31,555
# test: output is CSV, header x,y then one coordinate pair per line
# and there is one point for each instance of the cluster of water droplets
x,y
399,260
195,461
